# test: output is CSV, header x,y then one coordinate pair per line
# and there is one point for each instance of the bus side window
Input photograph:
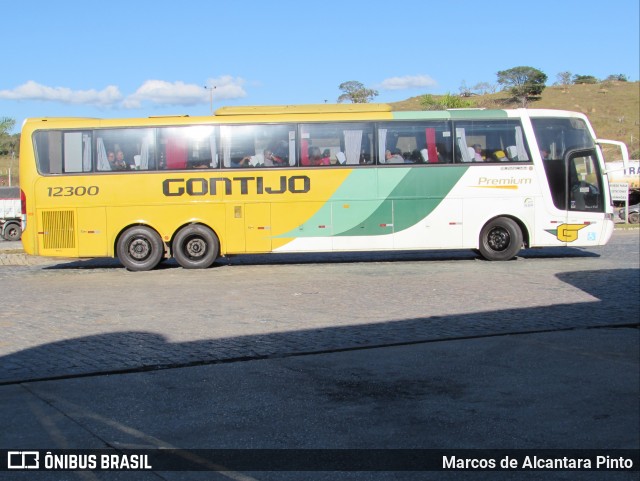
x,y
192,147
125,149
336,144
414,142
268,145
490,141
60,152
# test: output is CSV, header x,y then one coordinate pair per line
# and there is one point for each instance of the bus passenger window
x,y
258,145
336,144
59,152
125,149
192,147
490,141
414,142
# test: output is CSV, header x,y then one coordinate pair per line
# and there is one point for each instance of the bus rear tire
x,y
195,247
500,239
140,249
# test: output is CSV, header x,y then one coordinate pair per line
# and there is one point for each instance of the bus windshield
x,y
570,161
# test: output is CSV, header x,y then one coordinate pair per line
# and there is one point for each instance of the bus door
x,y
585,196
248,227
92,232
575,184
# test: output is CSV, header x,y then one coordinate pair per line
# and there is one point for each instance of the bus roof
x,y
260,113
303,109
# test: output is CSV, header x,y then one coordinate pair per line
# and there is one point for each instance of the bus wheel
x,y
12,232
195,247
140,249
500,239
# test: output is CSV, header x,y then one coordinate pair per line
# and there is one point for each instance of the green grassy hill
x,y
612,107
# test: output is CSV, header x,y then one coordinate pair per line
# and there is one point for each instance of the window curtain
x,y
522,152
176,153
86,153
292,147
353,145
225,138
304,152
214,149
430,135
382,145
144,154
462,145
103,162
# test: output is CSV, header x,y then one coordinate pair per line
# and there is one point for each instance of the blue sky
x,y
153,57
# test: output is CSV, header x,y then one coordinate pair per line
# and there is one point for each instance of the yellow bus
x,y
311,178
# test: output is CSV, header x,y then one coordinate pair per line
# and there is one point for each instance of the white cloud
x,y
35,91
407,82
227,87
161,92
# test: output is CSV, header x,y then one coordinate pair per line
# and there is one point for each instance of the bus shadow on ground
x,y
133,351
339,257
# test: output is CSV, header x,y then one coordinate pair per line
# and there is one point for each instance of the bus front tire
x,y
195,247
140,249
500,239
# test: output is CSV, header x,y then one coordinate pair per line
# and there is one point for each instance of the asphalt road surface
x,y
350,351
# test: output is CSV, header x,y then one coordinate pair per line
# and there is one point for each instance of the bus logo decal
x,y
567,232
508,183
295,184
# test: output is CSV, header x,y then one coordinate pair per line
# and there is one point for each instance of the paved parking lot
x,y
364,351
76,317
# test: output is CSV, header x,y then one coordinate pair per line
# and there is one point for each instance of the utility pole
x,y
210,89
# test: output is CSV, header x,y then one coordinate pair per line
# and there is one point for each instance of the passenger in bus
x,y
326,157
443,156
272,160
315,156
393,157
417,157
120,163
111,158
477,153
243,162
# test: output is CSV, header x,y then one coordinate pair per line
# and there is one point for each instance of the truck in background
x,y
10,213
631,176
618,175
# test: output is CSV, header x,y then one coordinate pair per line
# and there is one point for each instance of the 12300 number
x,y
78,191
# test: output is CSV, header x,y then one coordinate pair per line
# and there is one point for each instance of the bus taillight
x,y
23,209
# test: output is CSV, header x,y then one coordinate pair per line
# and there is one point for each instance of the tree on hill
x,y
617,78
524,83
7,141
585,79
356,92
483,88
447,101
564,79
